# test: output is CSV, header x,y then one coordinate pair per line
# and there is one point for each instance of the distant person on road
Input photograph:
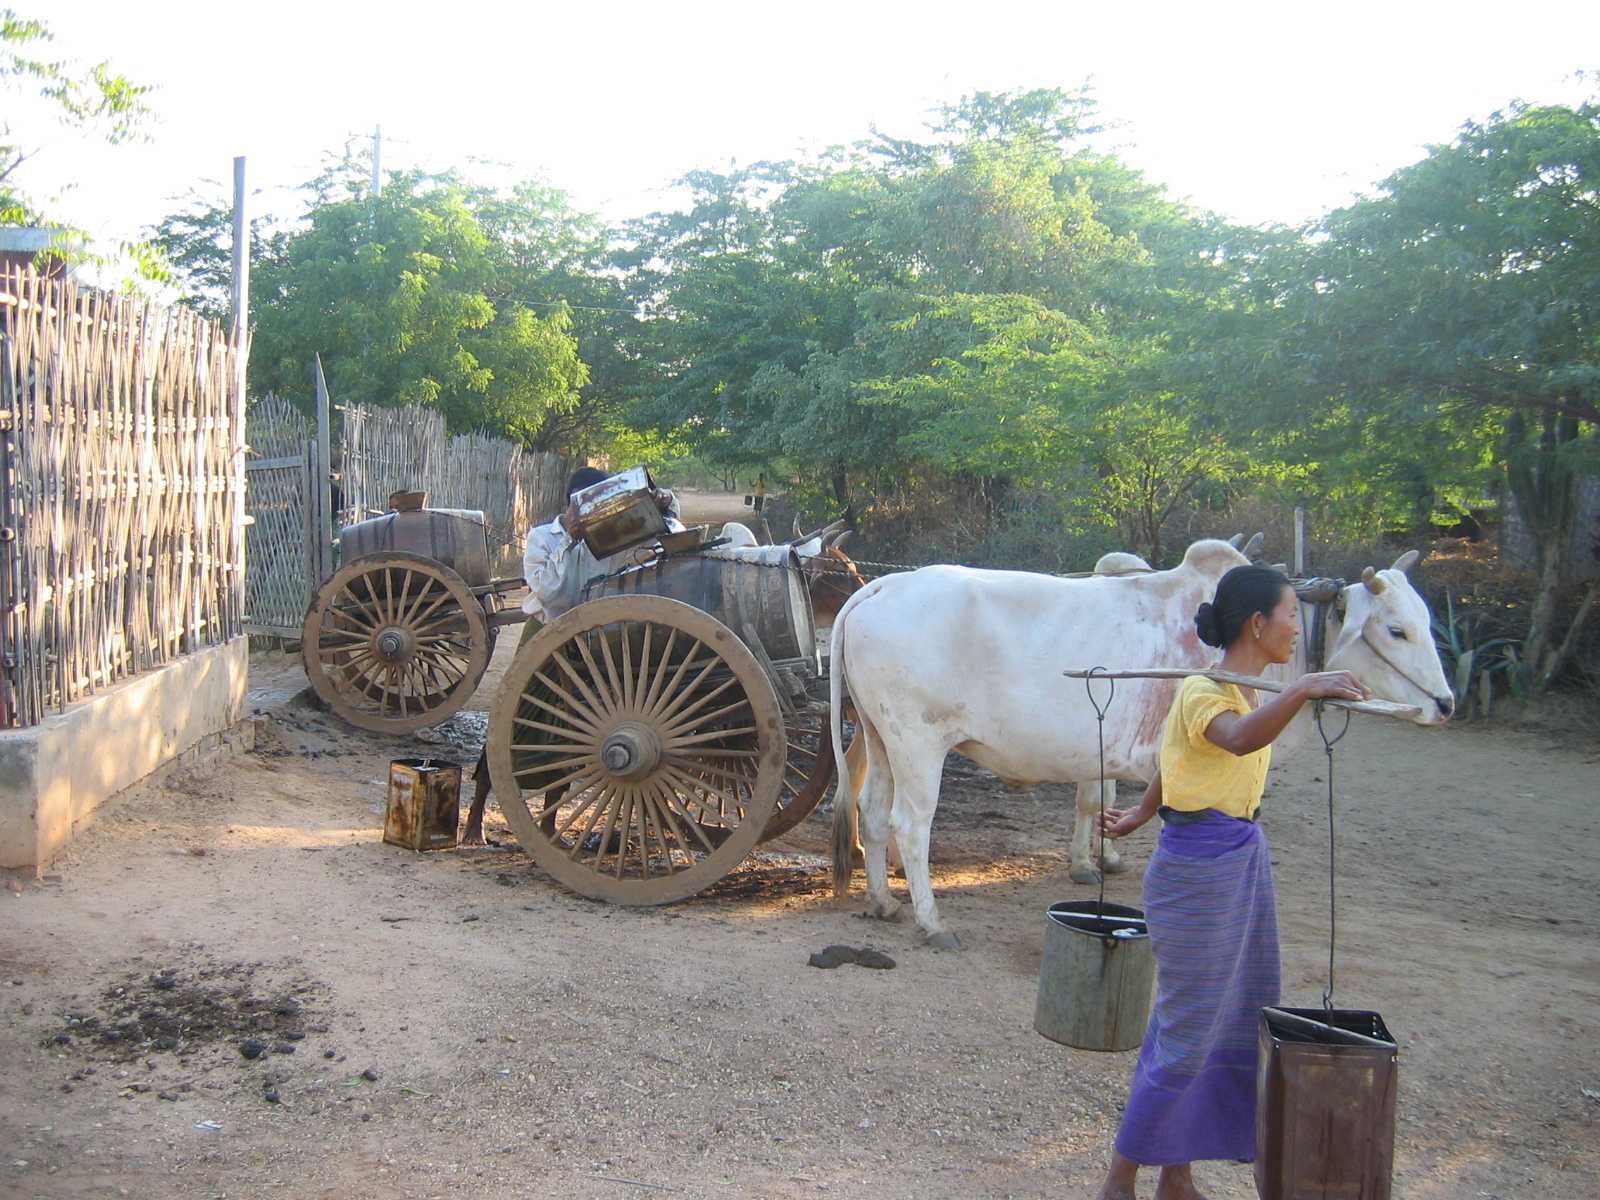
x,y
556,564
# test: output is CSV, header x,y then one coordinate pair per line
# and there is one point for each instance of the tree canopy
x,y
88,98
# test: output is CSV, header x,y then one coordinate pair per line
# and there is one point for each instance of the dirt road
x,y
235,989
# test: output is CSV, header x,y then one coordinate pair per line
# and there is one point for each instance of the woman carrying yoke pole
x,y
1208,894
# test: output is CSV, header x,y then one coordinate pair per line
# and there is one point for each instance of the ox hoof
x,y
888,911
944,939
1113,866
1090,875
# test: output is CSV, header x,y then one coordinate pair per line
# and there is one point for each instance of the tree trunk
x,y
1541,660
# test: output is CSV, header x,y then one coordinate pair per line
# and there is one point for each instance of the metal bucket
x,y
1325,1098
1096,977
764,596
456,537
619,512
424,803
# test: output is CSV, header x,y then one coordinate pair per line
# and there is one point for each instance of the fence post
x,y
322,481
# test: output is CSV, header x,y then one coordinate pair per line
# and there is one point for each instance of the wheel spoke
x,y
675,713
592,702
672,694
606,701
653,692
687,796
629,679
618,697
603,807
580,712
690,741
663,804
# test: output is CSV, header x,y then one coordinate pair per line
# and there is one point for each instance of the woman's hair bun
x,y
1208,624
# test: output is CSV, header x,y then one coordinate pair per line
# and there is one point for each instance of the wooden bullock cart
x,y
642,744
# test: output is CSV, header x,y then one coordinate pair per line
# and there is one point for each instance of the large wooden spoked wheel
x,y
395,641
637,749
808,773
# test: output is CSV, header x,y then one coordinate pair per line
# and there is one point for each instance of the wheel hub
x,y
631,751
394,643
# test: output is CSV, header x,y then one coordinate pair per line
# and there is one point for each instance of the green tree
x,y
438,292
88,98
967,305
1460,301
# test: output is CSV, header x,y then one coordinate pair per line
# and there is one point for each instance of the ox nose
x,y
1446,703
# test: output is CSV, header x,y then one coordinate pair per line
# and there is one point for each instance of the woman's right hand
x,y
1119,822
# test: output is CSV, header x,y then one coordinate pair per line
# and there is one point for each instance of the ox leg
x,y
916,797
873,808
1092,853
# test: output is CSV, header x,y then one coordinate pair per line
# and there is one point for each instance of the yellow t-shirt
x,y
1197,773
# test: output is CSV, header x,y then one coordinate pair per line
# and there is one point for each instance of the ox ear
x,y
1236,540
1406,561
1252,548
1374,581
1281,568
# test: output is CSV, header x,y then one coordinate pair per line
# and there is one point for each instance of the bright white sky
x,y
1263,110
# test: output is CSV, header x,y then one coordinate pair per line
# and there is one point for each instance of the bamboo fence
x,y
121,491
406,449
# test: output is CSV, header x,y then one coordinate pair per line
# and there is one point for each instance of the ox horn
x,y
841,538
824,533
1406,561
1252,548
1374,582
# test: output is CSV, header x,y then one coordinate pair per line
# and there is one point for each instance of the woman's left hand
x,y
1335,685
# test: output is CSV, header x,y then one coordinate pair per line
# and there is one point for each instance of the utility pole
x,y
240,298
377,160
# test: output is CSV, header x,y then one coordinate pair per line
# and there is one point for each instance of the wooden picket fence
x,y
121,491
407,449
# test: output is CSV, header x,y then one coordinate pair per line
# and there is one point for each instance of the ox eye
x,y
1396,632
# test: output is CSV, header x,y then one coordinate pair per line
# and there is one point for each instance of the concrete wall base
x,y
53,776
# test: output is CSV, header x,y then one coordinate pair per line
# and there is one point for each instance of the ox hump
x,y
1212,556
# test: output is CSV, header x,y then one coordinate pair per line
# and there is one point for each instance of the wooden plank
x,y
1382,708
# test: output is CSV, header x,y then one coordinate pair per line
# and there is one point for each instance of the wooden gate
x,y
289,541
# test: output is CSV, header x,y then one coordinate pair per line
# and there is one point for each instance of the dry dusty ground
x,y
454,1024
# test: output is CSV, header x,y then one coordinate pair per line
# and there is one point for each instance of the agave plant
x,y
1472,661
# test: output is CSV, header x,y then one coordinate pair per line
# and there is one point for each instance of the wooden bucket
x,y
424,804
1097,976
1325,1098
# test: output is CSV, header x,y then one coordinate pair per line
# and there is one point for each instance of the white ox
x,y
952,658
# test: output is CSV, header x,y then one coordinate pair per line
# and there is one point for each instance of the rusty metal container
x,y
1096,976
424,803
763,599
456,537
619,512
1325,1101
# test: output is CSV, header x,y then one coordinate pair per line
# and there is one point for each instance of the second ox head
x,y
1386,640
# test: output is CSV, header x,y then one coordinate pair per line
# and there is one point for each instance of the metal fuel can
x,y
424,804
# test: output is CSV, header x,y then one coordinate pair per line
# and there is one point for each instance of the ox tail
x,y
845,823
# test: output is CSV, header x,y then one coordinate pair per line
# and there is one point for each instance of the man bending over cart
x,y
556,565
